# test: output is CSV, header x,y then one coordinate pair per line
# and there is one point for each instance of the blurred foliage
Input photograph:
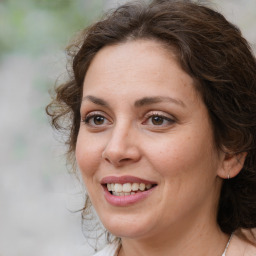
x,y
36,26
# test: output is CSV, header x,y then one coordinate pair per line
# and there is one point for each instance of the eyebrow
x,y
152,100
96,100
138,103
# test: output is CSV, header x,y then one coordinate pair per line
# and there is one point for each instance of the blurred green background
x,y
37,195
35,27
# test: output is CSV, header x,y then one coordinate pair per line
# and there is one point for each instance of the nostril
x,y
117,161
119,155
107,160
125,160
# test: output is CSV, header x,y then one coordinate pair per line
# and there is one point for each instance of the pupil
x,y
157,120
98,120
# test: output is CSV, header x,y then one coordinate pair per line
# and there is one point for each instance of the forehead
x,y
141,67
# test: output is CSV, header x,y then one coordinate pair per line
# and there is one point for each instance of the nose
x,y
121,148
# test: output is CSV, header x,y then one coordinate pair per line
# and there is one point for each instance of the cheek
x,y
182,155
187,168
88,155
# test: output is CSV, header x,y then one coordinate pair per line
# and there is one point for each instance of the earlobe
x,y
231,165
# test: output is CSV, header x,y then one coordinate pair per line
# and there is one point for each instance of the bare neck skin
x,y
196,245
198,238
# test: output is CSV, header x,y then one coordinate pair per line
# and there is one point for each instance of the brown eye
x,y
98,120
157,120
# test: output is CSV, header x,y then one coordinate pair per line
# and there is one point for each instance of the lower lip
x,y
126,200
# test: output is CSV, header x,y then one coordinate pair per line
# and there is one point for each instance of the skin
x,y
179,216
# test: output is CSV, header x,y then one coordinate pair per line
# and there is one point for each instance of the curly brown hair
x,y
213,52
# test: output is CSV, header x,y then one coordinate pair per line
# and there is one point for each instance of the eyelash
x,y
91,116
151,115
148,116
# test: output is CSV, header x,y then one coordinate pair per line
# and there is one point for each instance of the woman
x,y
162,104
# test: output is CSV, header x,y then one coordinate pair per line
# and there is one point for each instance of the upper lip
x,y
124,179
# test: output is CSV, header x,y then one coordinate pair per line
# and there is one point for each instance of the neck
x,y
196,239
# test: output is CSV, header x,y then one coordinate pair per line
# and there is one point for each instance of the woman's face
x,y
146,131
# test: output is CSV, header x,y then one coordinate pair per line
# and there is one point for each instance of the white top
x,y
224,253
109,250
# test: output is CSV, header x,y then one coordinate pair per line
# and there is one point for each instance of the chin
x,y
123,226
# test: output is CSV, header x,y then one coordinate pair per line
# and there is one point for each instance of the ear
x,y
231,165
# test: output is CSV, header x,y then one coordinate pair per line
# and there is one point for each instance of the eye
x,y
94,119
157,119
97,120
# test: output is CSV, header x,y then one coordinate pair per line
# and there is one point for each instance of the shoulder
x,y
108,250
243,244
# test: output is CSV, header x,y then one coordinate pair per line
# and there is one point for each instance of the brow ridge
x,y
96,100
152,100
138,103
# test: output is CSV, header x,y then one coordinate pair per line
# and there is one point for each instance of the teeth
x,y
118,187
148,186
127,188
123,194
135,186
142,186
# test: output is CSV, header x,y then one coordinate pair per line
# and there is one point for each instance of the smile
x,y
127,189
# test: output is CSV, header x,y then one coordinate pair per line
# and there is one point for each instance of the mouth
x,y
127,189
127,186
